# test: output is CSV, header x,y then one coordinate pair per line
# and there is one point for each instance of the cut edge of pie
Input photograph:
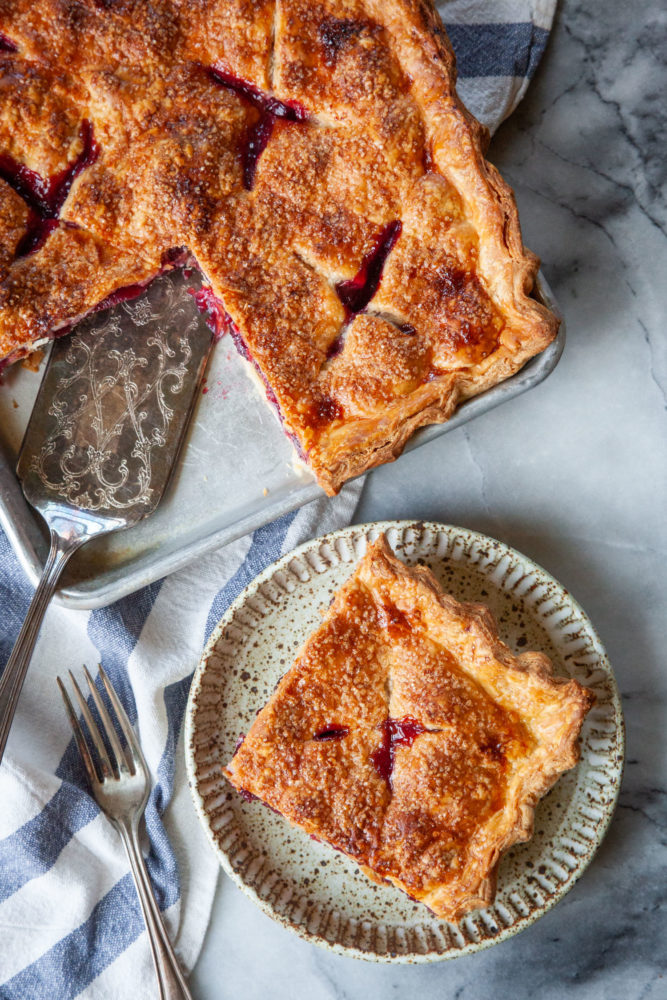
x,y
430,61
312,751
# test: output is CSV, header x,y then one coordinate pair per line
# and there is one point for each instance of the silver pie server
x,y
105,431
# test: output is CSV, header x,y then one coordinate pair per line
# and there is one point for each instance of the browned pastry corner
x,y
408,736
313,159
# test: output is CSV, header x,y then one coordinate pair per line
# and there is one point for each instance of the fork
x,y
121,785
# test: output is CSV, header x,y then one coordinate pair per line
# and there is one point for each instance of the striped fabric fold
x,y
69,916
497,49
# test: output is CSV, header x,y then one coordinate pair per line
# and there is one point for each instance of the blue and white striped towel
x,y
70,923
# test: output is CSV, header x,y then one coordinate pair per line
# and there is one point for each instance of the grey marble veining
x,y
574,474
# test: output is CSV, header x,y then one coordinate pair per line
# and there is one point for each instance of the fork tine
x,y
79,737
117,750
121,715
107,769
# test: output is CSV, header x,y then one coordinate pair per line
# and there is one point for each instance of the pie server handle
x,y
11,682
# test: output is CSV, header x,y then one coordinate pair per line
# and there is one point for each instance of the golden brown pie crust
x,y
316,162
407,735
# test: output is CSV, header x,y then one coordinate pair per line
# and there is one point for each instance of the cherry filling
x,y
334,733
176,257
125,294
45,196
357,292
242,348
269,109
179,257
86,158
395,732
219,320
222,323
248,796
7,45
37,232
291,110
31,186
271,397
335,347
256,143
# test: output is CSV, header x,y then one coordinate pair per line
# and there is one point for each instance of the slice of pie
x,y
312,159
409,737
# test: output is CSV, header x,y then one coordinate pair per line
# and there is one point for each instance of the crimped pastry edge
x,y
480,889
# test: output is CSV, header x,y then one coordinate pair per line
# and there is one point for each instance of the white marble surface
x,y
574,474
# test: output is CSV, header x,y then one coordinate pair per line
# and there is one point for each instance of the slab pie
x,y
312,159
409,737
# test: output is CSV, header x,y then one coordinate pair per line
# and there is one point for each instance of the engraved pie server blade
x,y
105,432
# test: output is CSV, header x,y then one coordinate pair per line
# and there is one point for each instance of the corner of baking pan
x,y
533,372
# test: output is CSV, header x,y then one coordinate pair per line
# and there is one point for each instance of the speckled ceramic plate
x,y
318,892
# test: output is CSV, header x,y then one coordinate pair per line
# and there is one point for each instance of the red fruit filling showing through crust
x,y
357,292
395,733
334,733
269,109
219,319
45,196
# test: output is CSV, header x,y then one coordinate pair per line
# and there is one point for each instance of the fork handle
x,y
14,673
171,982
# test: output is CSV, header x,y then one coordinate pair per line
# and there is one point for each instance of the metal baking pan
x,y
236,473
